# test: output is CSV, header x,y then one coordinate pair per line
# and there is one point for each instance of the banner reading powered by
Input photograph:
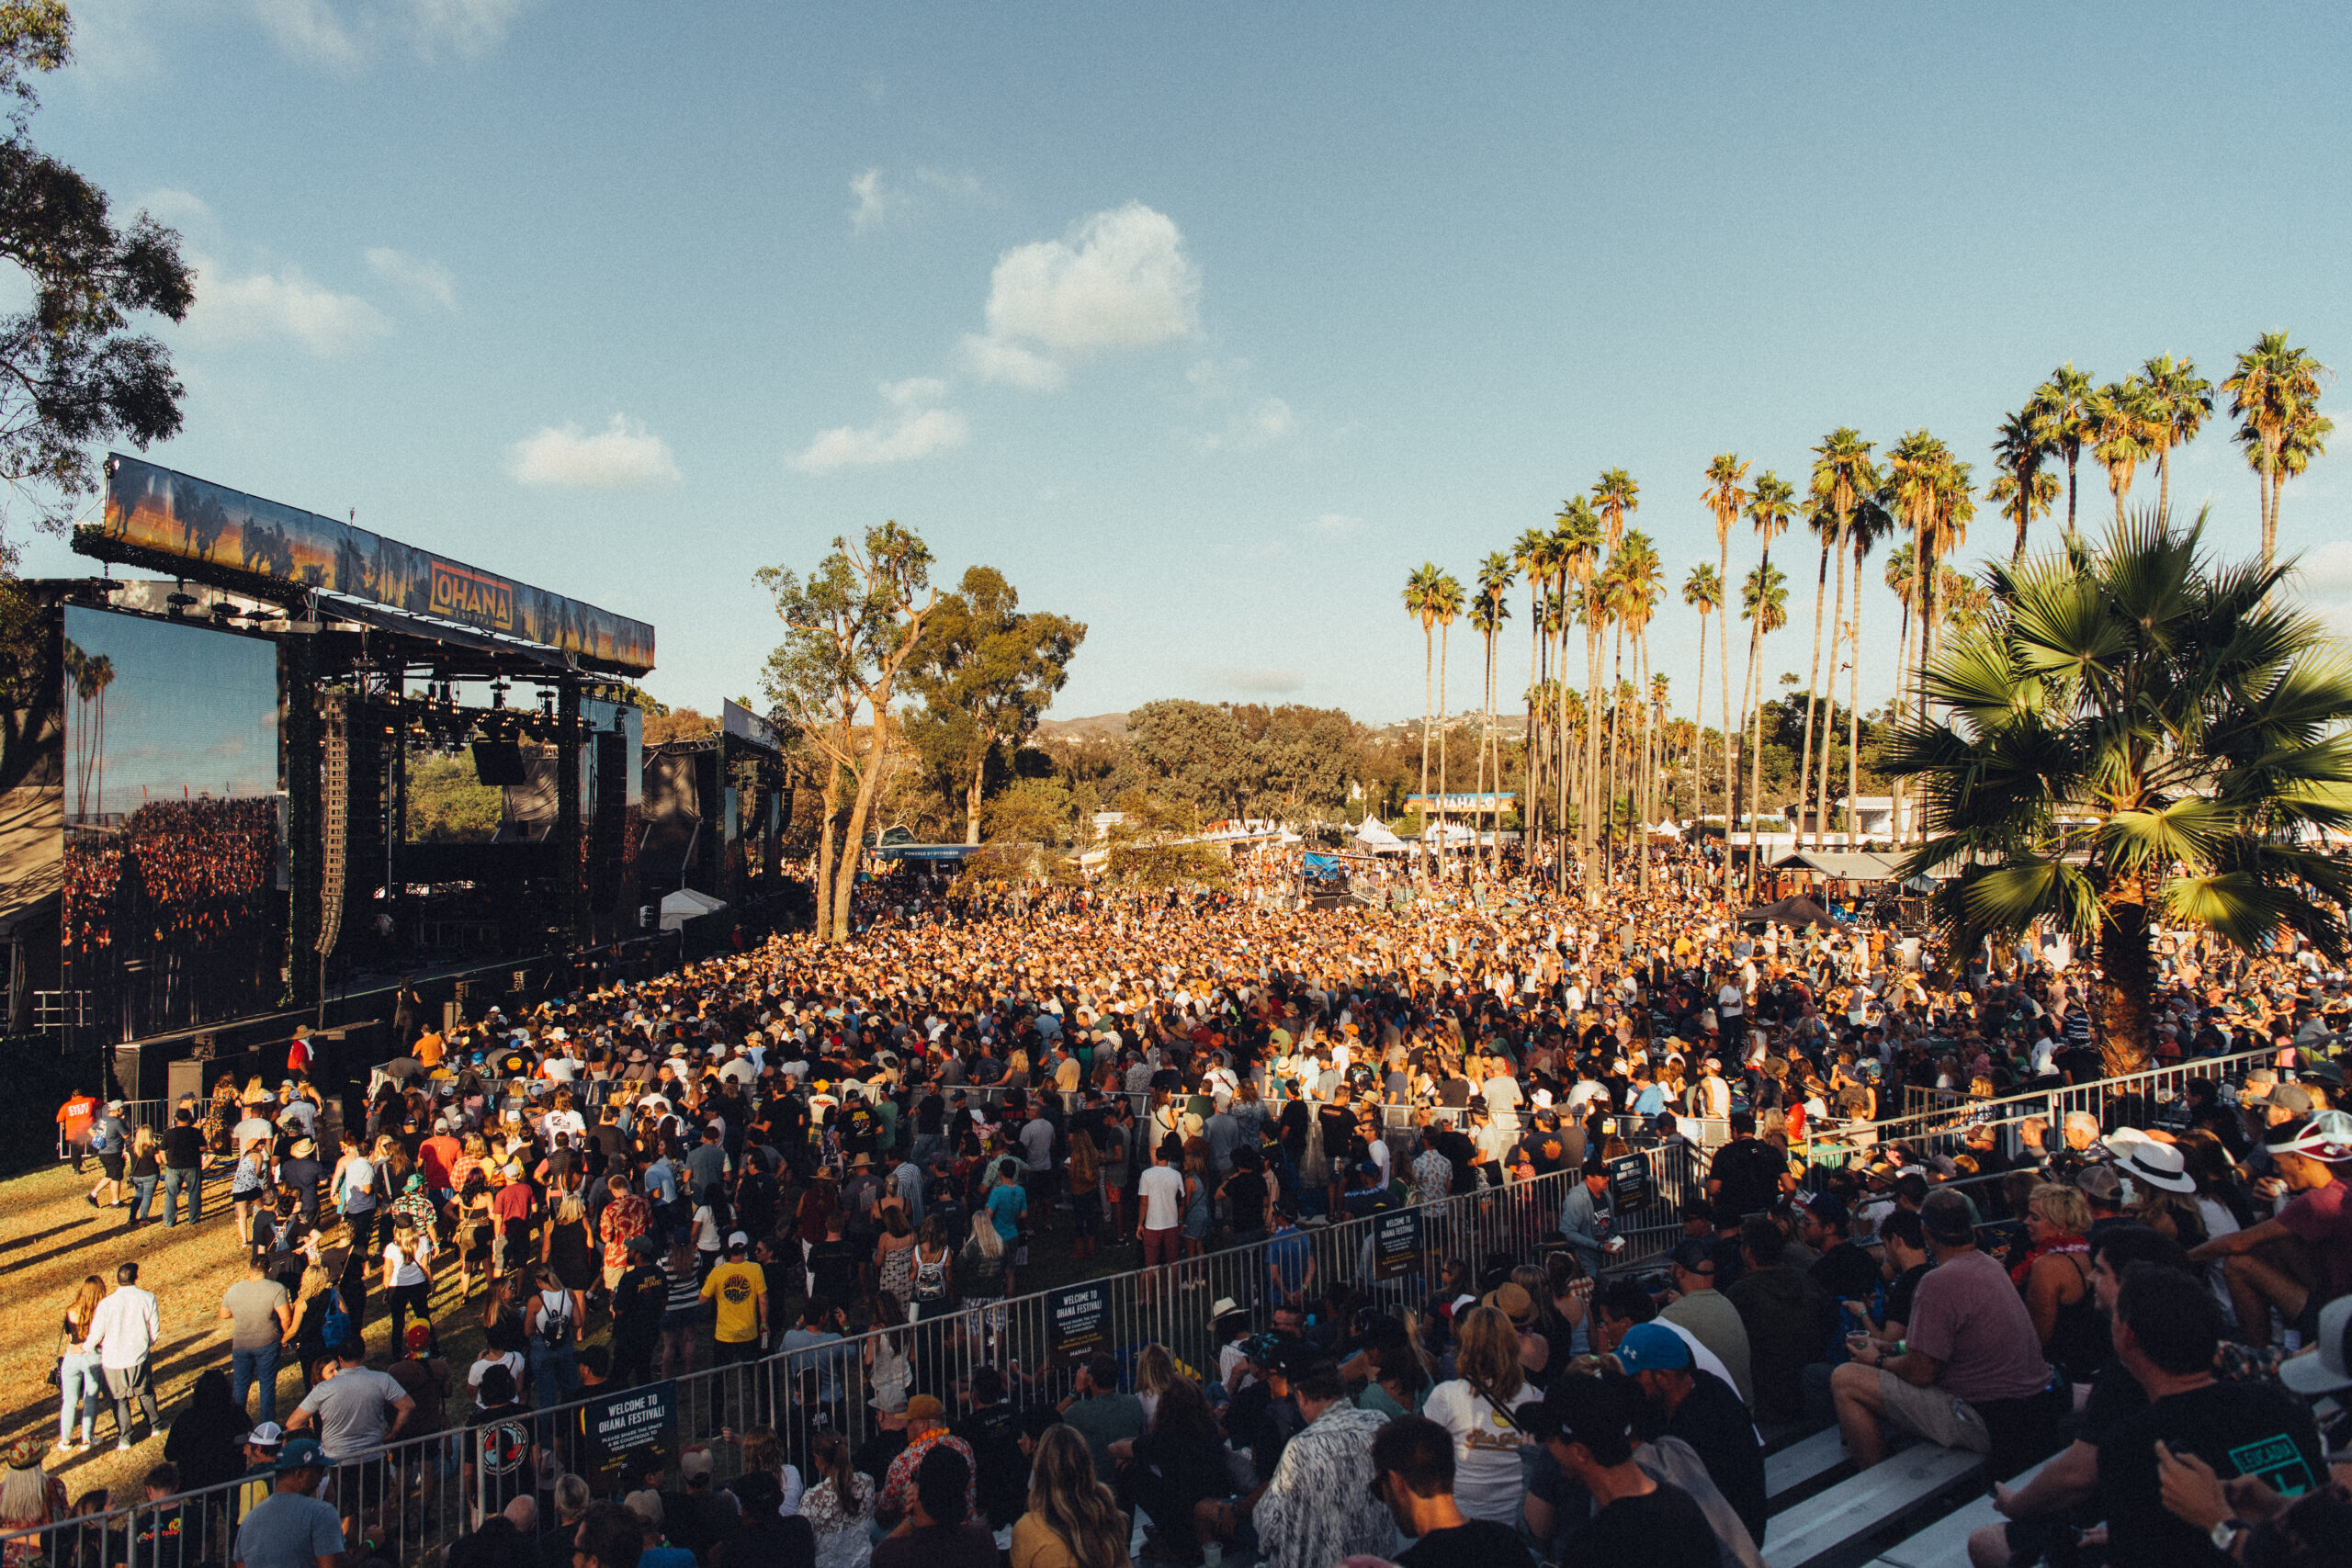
x,y
626,1435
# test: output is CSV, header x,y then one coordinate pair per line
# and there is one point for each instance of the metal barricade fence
x,y
419,1495
136,1113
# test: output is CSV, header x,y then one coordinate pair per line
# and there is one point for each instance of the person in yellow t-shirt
x,y
431,1048
740,1288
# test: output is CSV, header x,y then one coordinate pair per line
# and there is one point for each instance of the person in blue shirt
x,y
1290,1260
1007,1202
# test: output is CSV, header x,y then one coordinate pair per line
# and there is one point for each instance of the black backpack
x,y
556,1328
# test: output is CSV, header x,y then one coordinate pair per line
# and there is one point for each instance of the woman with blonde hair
x,y
28,1497
1073,1520
1472,1408
1155,1374
146,1168
2055,1278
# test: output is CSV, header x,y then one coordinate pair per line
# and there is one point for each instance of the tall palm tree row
x,y
1725,496
1491,609
1445,608
1764,604
1421,601
1771,506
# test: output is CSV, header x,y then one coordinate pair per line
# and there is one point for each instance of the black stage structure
x,y
310,762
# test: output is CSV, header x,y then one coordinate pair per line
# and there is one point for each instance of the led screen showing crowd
x,y
173,905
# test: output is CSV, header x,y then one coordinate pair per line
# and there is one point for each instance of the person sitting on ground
x,y
2301,1257
1318,1507
1969,1341
1073,1520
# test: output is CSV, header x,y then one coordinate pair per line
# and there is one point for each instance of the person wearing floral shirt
x,y
926,1429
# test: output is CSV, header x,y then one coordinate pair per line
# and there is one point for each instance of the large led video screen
x,y
173,905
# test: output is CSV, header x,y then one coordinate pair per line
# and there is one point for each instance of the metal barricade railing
x,y
136,1113
421,1494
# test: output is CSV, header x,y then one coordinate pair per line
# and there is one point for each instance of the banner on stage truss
x,y
157,517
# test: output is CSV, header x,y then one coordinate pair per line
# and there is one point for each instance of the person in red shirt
x,y
511,1207
73,1118
438,1157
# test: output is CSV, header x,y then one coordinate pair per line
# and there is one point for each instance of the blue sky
x,y
190,712
1203,324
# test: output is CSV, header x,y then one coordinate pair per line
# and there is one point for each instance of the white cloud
x,y
310,29
623,456
875,204
1335,525
1120,280
993,359
915,432
472,27
1267,421
2325,571
344,35
233,308
427,282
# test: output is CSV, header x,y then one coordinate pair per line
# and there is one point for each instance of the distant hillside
x,y
1101,726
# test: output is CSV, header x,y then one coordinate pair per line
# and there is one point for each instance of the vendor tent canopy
x,y
1852,865
1787,912
685,905
1374,834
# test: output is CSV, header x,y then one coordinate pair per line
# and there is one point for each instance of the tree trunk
x,y
821,921
1723,674
1829,696
1444,723
1608,823
2120,995
1899,801
1429,656
869,786
972,799
1854,707
1812,679
2163,490
2070,497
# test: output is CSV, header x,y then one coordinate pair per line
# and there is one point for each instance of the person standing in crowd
x,y
81,1381
261,1315
123,1332
1320,1505
291,1528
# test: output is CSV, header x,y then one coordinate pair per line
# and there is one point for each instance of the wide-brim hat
x,y
2143,1158
2325,1369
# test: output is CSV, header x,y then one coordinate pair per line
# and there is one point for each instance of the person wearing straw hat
x,y
29,1496
2302,1256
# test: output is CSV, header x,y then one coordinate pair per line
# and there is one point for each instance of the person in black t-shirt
x,y
1681,1401
1586,1425
1412,1470
1746,1175
2167,1328
1844,1270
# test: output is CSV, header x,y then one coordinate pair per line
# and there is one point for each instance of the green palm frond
x,y
2185,830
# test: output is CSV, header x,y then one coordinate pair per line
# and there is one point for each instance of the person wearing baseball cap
x,y
1686,1402
2265,1265
740,1288
290,1529
1586,1424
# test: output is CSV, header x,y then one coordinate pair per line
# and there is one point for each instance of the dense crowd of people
x,y
781,1151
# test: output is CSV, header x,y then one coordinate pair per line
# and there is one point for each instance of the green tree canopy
x,y
2127,731
986,672
71,374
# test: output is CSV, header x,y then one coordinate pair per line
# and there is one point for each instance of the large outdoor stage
x,y
311,761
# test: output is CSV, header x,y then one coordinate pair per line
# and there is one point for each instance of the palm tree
x,y
1843,477
1869,523
1704,591
1491,609
1615,497
1421,603
1764,604
1927,490
1577,538
1445,608
2182,401
2126,423
2065,401
1640,580
2273,392
1725,497
2135,734
1770,512
2025,489
1531,554
1903,577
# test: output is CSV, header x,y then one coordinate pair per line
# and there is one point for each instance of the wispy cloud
x,y
623,456
915,431
427,282
1267,681
236,307
345,35
1335,525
